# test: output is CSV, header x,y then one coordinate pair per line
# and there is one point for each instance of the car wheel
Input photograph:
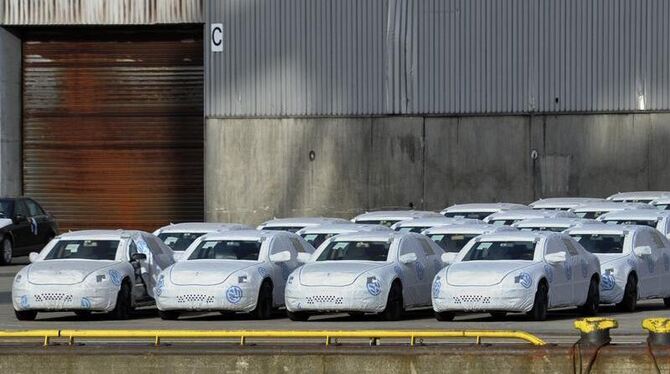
x,y
356,314
629,301
498,315
540,304
83,314
298,316
590,307
25,315
122,309
394,304
168,315
7,252
445,316
264,304
666,301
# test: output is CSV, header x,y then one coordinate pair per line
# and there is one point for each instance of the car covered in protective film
x,y
634,262
297,223
511,217
656,218
638,196
552,224
390,217
595,210
111,271
479,210
316,235
518,271
563,203
662,203
368,272
234,271
420,224
452,238
180,236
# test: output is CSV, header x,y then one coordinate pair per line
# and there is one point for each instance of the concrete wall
x,y
10,114
256,169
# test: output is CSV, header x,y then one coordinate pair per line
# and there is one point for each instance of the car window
x,y
601,243
279,244
427,249
21,209
452,243
643,239
33,208
227,250
473,215
179,241
132,249
571,247
657,241
297,245
490,250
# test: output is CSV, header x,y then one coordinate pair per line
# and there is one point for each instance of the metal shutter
x,y
113,125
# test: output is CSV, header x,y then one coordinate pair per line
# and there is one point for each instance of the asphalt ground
x,y
558,328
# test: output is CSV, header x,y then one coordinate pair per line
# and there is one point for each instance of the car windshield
x,y
601,243
6,208
416,229
591,215
84,249
292,229
662,206
452,242
383,222
488,251
641,222
543,228
179,241
355,251
316,239
473,215
504,222
227,250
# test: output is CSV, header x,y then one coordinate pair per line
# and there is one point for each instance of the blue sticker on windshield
x,y
398,271
568,270
85,303
608,282
549,272
524,279
419,270
24,302
374,287
437,285
234,294
585,269
115,277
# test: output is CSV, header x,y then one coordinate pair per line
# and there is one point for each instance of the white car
x,y
235,271
420,224
316,235
662,203
563,203
595,210
552,224
522,271
658,219
479,210
295,224
91,271
634,262
453,238
179,236
367,272
513,216
390,217
638,196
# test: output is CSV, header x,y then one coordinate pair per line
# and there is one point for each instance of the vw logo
x,y
374,288
234,295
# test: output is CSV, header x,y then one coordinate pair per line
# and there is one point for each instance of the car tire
x,y
498,315
628,303
25,315
7,251
445,316
395,306
666,301
83,314
356,314
168,315
298,316
590,307
540,303
122,309
263,308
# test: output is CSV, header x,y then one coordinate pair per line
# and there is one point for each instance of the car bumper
x,y
611,290
222,297
333,299
57,298
482,299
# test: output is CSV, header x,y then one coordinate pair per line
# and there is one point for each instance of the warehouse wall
x,y
10,114
260,168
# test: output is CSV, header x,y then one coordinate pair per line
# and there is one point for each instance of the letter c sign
x,y
216,37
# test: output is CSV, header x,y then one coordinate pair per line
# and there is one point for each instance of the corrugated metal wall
x,y
375,57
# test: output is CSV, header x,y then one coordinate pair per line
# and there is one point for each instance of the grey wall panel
x,y
379,57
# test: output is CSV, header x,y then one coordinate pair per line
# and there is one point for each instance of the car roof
x,y
202,226
610,205
518,235
341,228
399,215
437,221
606,229
243,235
477,229
371,235
528,214
302,221
100,234
563,202
555,222
639,195
483,207
663,200
636,214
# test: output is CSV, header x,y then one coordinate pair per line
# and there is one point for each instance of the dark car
x,y
25,227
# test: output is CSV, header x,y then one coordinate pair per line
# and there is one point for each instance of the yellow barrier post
x,y
659,330
596,330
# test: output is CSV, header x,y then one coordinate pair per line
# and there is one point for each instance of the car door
x,y
39,222
663,265
25,239
282,270
155,262
558,275
581,276
414,273
645,266
140,289
659,275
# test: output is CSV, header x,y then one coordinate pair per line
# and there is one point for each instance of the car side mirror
x,y
555,258
304,257
19,218
642,251
449,257
283,256
408,258
138,256
33,256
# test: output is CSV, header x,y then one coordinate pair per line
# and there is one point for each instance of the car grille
x,y
195,298
472,299
324,299
53,297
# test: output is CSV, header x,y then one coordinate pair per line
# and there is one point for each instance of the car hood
x,y
64,271
482,273
4,222
206,272
608,258
335,273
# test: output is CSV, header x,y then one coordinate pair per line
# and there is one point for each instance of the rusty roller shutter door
x,y
113,125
